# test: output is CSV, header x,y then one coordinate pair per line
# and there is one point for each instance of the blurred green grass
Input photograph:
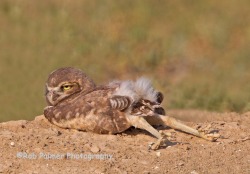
x,y
196,52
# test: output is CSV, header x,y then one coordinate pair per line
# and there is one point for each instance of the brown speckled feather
x,y
89,112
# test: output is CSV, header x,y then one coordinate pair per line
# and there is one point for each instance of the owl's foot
x,y
208,136
162,141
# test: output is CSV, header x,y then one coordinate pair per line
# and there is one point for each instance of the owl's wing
x,y
141,107
98,111
120,102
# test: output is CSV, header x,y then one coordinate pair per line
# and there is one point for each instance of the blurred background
x,y
196,52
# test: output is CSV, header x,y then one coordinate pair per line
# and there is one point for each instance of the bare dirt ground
x,y
39,147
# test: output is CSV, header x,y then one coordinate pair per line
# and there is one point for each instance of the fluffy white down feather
x,y
141,88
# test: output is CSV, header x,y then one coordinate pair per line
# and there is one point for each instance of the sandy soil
x,y
39,147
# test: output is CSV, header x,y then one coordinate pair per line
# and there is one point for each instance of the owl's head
x,y
65,82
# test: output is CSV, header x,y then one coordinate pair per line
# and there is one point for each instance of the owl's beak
x,y
49,96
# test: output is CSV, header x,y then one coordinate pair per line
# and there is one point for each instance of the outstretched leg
x,y
176,124
140,122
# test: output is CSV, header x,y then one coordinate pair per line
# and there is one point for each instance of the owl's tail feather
x,y
158,119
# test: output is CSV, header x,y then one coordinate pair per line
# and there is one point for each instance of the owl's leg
x,y
140,122
176,124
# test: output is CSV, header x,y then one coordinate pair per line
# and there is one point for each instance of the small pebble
x,y
94,149
158,154
87,146
12,143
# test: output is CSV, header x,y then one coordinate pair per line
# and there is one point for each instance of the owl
x,y
76,102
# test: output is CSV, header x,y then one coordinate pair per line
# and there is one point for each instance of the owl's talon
x,y
209,136
162,141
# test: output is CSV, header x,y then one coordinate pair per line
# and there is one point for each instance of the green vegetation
x,y
196,52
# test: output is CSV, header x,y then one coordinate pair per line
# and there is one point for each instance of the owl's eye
x,y
66,87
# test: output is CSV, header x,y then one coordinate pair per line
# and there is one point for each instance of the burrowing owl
x,y
74,101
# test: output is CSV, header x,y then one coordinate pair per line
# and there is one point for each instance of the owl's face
x,y
65,82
